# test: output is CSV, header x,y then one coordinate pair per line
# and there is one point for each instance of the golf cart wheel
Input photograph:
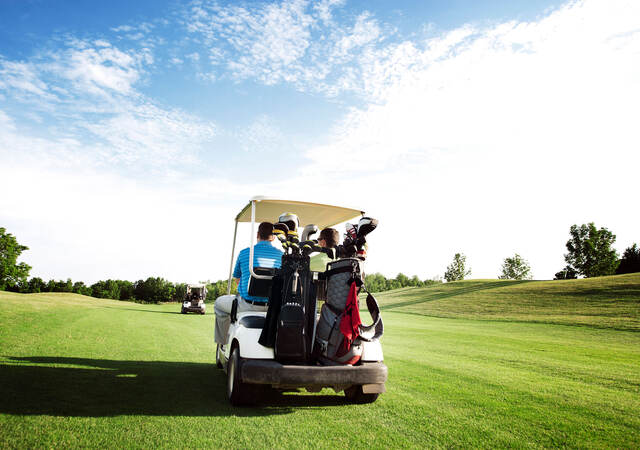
x,y
183,311
237,391
218,362
355,395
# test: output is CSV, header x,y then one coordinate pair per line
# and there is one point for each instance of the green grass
x,y
471,364
608,302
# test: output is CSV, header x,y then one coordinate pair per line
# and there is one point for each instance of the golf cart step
x,y
272,372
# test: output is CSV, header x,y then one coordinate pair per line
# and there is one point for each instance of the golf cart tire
x,y
218,362
183,311
354,394
237,391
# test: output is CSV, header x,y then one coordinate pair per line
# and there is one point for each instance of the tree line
x,y
590,253
151,290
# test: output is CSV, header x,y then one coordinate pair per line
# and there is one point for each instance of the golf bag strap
x,y
330,273
376,329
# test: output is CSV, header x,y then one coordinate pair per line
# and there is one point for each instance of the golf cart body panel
x,y
247,338
248,363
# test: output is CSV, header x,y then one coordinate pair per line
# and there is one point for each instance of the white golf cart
x,y
252,368
194,299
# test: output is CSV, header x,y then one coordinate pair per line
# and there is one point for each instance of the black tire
x,y
237,391
354,394
218,362
183,311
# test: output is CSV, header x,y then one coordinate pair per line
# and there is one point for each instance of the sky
x,y
131,133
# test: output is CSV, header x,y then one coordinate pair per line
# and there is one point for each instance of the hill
x,y
608,302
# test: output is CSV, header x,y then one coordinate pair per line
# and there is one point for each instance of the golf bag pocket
x,y
290,337
339,276
329,339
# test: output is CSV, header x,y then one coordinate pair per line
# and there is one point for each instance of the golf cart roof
x,y
196,285
268,210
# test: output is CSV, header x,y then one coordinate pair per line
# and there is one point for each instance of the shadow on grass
x,y
100,387
144,310
467,288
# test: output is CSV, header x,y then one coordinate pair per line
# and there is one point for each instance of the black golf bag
x,y
292,309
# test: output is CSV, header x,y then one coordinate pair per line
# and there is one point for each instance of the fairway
x,y
471,364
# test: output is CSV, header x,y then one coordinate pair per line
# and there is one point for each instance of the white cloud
x,y
96,69
99,116
260,136
293,41
23,78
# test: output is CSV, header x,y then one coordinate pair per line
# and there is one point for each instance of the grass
x,y
471,364
606,302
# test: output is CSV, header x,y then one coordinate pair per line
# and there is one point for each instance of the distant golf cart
x,y
194,299
295,360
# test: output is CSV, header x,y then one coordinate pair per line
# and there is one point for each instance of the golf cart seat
x,y
261,287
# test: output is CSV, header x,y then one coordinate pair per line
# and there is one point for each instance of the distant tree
x,y
457,270
402,280
126,290
180,291
590,253
80,288
35,285
11,272
154,290
568,273
515,268
50,286
630,262
106,289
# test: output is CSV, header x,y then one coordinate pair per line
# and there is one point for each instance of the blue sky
x,y
120,121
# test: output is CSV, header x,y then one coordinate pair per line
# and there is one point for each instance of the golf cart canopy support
x,y
263,209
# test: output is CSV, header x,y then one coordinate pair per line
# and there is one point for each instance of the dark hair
x,y
330,236
265,230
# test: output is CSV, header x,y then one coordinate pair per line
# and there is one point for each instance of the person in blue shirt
x,y
264,255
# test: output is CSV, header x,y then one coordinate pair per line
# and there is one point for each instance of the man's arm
x,y
237,271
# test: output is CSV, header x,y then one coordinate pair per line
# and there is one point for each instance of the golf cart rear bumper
x,y
272,372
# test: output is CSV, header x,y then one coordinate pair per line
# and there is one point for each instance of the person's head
x,y
329,238
265,231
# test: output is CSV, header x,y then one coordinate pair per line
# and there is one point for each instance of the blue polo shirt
x,y
264,255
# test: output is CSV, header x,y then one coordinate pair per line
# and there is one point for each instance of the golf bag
x,y
297,310
340,333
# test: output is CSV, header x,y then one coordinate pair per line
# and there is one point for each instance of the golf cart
x,y
194,299
295,356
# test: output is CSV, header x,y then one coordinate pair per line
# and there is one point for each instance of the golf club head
x,y
366,226
281,230
308,231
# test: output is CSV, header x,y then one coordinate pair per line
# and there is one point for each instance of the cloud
x,y
22,79
261,135
98,115
294,41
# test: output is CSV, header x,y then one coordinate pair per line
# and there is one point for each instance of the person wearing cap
x,y
264,255
328,239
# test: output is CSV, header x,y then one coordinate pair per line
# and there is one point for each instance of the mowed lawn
x,y
471,364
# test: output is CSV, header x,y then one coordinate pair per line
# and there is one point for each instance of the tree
x,y
456,271
566,274
515,268
630,262
12,273
590,253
